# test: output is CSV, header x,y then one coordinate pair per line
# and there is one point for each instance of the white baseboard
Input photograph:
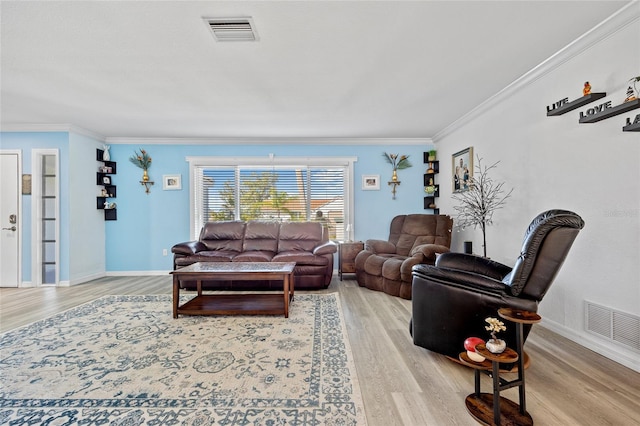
x,y
609,349
82,280
135,273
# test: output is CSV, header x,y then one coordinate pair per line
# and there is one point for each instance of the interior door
x,y
9,215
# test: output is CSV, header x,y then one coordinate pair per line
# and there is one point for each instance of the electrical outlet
x,y
164,252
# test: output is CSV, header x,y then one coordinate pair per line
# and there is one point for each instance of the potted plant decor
x,y
480,201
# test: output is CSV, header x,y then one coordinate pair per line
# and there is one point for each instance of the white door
x,y
9,216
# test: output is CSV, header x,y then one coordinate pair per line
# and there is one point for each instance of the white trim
x,y
34,127
18,152
269,141
136,273
609,350
623,17
270,160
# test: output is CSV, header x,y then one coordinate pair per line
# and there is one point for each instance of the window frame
x,y
207,161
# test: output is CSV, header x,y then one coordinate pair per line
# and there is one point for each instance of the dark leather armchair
x,y
452,298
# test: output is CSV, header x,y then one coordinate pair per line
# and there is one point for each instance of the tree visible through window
x,y
281,193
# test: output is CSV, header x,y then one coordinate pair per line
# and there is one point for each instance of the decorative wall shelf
x,y
611,112
433,168
632,126
576,104
103,178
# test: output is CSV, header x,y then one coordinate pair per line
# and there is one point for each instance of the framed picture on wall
x,y
462,169
171,182
371,182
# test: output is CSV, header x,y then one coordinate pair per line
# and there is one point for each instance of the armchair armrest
x,y
379,246
472,263
464,280
188,248
326,248
428,251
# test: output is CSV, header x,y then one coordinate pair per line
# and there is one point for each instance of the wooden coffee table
x,y
234,304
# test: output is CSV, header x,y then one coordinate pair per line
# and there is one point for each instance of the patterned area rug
x,y
125,360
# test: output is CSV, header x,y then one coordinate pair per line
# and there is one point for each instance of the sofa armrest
x,y
472,263
188,248
379,246
326,248
429,251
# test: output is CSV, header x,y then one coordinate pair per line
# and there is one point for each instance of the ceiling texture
x,y
319,69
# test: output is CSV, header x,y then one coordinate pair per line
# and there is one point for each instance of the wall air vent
x,y
620,327
232,29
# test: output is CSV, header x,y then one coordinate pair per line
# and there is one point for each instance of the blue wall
x,y
149,223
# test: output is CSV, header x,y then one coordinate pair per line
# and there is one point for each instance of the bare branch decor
x,y
480,201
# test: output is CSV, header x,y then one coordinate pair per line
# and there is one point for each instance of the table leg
x,y
292,280
199,287
519,348
286,295
496,392
176,295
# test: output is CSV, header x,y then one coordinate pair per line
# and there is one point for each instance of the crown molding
x,y
269,141
13,127
627,15
68,128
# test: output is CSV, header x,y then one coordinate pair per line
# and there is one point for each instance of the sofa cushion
x,y
223,235
254,256
300,257
299,236
261,236
413,232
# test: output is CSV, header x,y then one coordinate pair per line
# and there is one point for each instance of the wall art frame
x,y
171,182
462,169
370,182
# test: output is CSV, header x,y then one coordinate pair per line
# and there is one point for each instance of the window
x,y
286,189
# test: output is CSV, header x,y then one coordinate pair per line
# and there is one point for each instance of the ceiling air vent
x,y
232,29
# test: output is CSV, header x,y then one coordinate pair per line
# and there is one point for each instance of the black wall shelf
x,y
109,188
576,104
634,126
433,168
611,112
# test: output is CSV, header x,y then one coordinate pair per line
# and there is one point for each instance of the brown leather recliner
x,y
413,239
452,299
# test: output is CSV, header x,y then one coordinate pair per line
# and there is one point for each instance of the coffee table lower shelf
x,y
481,408
234,304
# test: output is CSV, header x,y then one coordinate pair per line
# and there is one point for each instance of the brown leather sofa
x,y
413,239
261,241
452,299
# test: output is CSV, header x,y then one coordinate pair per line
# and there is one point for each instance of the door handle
x,y
13,228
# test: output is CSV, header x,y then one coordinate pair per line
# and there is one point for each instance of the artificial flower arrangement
x,y
494,344
397,162
141,159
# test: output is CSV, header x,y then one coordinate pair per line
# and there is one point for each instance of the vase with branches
x,y
478,204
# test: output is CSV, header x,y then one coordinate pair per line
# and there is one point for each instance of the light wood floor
x,y
403,384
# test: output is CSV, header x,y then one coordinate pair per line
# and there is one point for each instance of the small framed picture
x,y
462,169
106,180
371,182
171,182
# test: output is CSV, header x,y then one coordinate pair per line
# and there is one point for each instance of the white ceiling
x,y
368,69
